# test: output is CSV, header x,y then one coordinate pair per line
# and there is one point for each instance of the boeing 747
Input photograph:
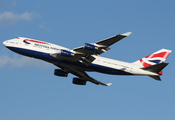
x,y
87,58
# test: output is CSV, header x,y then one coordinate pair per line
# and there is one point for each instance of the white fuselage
x,y
42,50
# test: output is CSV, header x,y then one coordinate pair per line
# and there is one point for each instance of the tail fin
x,y
154,58
154,62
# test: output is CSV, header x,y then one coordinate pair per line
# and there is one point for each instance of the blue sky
x,y
30,91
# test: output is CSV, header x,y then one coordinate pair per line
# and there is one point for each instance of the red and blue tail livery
x,y
155,58
87,58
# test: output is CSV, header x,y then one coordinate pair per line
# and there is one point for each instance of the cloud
x,y
9,18
17,61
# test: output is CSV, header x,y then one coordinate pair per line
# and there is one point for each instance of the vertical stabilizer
x,y
154,58
154,62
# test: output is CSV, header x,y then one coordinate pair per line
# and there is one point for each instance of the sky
x,y
30,91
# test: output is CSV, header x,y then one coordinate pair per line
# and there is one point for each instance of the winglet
x,y
108,84
126,34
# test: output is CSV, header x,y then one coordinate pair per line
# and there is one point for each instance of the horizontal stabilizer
x,y
156,68
155,77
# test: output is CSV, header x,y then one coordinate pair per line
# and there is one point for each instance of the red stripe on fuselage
x,y
35,41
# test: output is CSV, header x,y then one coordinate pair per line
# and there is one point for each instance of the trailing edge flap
x,y
155,68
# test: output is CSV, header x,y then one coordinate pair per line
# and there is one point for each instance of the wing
x,y
80,73
101,46
84,76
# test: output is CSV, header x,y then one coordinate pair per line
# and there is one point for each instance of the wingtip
x,y
109,84
126,34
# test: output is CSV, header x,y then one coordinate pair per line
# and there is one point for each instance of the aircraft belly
x,y
47,57
108,70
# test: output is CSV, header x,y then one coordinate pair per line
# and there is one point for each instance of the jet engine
x,y
66,53
88,46
60,73
78,81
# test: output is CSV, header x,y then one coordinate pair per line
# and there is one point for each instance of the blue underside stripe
x,y
47,57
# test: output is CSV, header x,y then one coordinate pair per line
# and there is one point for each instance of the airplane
x,y
87,58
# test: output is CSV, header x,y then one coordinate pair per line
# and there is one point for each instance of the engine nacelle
x,y
78,81
60,73
66,53
88,46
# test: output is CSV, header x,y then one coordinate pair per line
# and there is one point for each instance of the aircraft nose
x,y
5,43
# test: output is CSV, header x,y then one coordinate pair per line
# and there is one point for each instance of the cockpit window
x,y
17,37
